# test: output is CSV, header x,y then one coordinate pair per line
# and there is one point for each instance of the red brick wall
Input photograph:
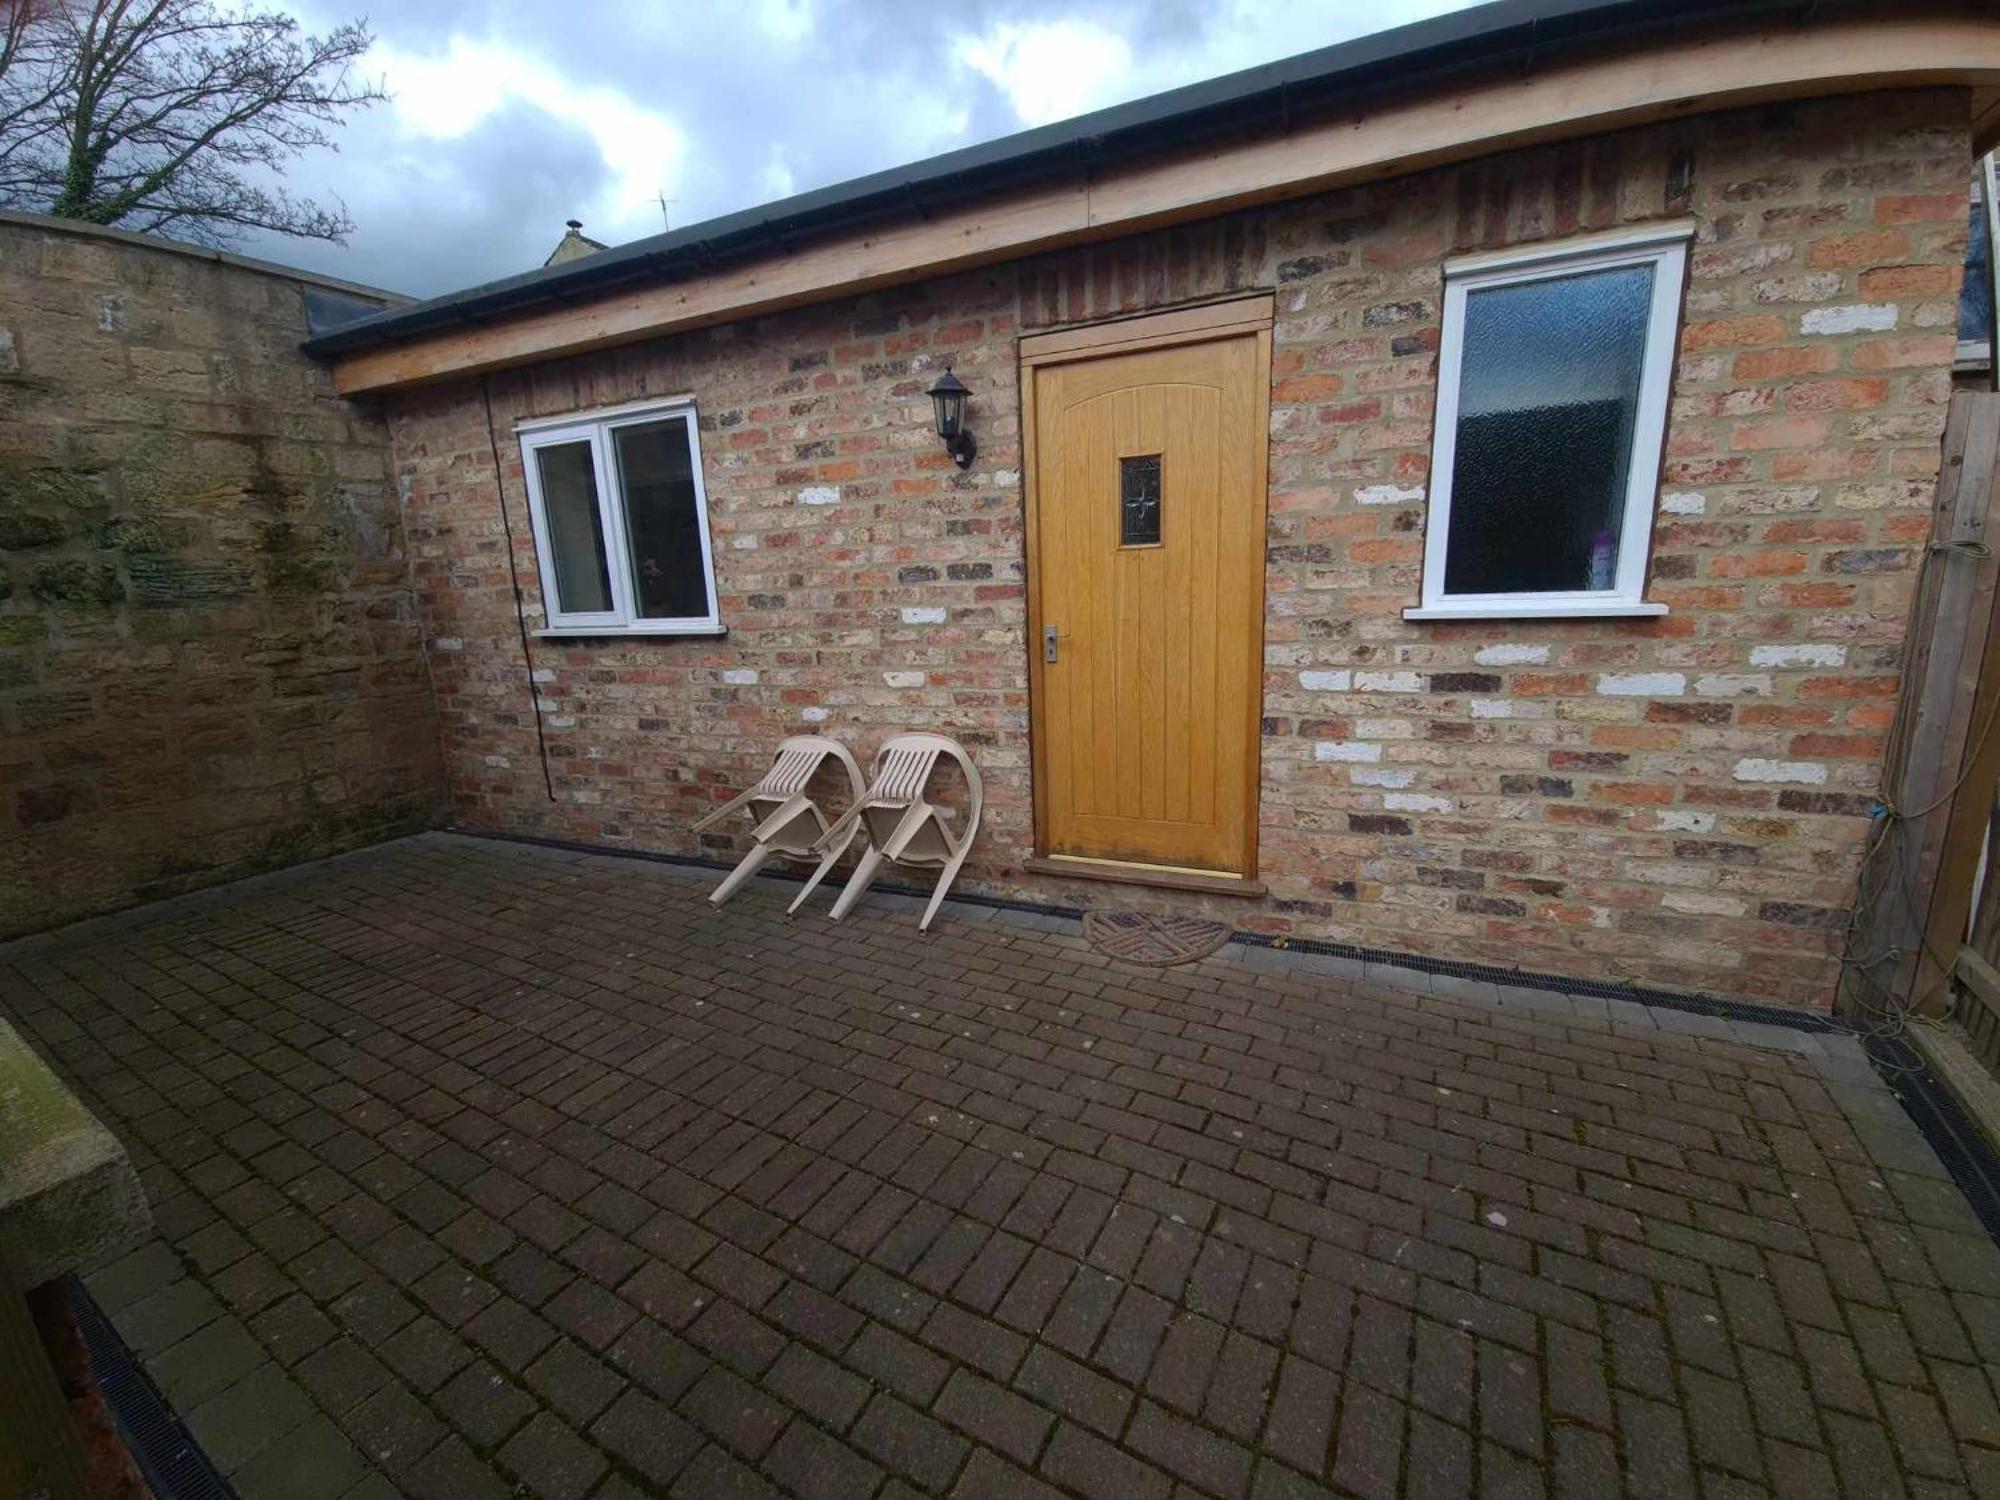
x,y
1678,800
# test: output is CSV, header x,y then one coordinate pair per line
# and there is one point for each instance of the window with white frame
x,y
1551,415
621,521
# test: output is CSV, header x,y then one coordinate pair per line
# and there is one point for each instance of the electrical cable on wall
x,y
514,579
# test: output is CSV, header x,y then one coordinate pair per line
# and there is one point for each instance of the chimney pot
x,y
574,223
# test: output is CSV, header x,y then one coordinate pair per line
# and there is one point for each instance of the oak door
x,y
1147,598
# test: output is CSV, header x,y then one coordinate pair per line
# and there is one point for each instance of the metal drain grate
x,y
1144,937
169,1459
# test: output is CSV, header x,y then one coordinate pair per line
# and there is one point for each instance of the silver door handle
x,y
1049,639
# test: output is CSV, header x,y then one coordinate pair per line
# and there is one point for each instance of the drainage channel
x,y
169,1459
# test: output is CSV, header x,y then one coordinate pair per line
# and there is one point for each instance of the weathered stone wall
x,y
210,661
1678,800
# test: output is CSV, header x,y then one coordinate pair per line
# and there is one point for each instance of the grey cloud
x,y
853,96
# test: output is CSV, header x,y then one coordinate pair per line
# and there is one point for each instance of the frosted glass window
x,y
1546,405
1553,375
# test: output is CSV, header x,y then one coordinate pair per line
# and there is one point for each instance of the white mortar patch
x,y
1679,820
1325,682
1388,682
1415,802
924,614
1702,903
819,494
1492,708
1390,494
1684,503
905,679
1803,772
1798,656
814,715
740,676
1511,656
1366,777
1855,317
1641,684
1349,750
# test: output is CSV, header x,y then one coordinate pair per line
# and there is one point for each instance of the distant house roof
x,y
1349,80
574,245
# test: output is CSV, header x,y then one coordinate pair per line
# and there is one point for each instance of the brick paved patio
x,y
486,1169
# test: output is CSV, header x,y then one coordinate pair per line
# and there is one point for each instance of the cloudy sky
x,y
511,116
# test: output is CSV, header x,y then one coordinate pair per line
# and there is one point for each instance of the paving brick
x,y
907,1442
646,1437
1086,1464
483,1404
574,1382
551,1460
1368,1445
993,1415
1205,1459
734,1412
815,1467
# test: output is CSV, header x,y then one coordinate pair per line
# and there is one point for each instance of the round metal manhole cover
x,y
1144,937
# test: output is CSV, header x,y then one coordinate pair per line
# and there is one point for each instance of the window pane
x,y
1975,296
656,475
1547,401
1139,500
576,528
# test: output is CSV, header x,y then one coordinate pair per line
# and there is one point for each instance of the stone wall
x,y
1679,800
210,661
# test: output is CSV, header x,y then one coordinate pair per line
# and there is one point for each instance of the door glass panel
x,y
1139,500
576,528
662,519
1547,400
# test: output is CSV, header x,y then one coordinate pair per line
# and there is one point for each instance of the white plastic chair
x,y
902,827
788,822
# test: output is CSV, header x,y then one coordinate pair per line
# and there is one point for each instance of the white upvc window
x,y
1551,417
621,521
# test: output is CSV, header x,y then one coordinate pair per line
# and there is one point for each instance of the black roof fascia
x,y
1283,92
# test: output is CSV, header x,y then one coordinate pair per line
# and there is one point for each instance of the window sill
x,y
1542,610
625,632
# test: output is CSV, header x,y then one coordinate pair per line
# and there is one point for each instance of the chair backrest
x,y
905,764
798,760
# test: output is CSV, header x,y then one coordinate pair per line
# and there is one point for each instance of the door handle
x,y
1049,639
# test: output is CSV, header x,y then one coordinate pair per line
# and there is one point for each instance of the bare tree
x,y
175,116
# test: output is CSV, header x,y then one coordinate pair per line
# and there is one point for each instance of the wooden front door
x,y
1146,587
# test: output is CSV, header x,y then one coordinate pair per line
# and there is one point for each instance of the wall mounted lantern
x,y
948,398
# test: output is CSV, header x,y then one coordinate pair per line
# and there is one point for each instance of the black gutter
x,y
1514,34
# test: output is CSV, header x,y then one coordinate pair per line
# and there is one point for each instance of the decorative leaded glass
x,y
1139,500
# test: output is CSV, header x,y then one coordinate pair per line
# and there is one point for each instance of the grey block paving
x,y
488,1170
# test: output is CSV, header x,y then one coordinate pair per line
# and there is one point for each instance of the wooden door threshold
x,y
1161,877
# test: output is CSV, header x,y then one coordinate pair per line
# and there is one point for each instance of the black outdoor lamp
x,y
948,398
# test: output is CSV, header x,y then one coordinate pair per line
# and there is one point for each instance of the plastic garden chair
x,y
903,828
788,822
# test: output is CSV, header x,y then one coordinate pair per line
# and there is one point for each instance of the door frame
x,y
1198,323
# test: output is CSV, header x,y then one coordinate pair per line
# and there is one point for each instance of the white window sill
x,y
1537,610
601,632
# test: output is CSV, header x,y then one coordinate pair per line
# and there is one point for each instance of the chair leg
x,y
945,877
857,883
733,881
827,862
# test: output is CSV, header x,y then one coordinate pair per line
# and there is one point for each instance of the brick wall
x,y
210,661
1678,800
